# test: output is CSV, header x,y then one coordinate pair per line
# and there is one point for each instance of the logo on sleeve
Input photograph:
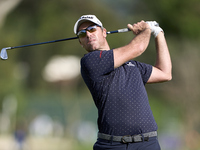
x,y
130,64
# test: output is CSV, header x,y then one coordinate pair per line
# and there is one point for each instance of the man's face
x,y
94,40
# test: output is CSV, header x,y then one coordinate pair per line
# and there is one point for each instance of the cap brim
x,y
78,23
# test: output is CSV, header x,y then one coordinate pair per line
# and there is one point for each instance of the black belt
x,y
128,138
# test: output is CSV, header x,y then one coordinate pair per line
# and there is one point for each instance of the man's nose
x,y
88,33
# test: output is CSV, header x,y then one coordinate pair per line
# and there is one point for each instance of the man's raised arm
x,y
137,45
162,71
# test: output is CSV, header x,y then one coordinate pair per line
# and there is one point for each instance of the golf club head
x,y
4,54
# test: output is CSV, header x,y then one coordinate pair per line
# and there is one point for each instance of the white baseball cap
x,y
84,18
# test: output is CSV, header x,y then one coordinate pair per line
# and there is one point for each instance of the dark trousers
x,y
152,144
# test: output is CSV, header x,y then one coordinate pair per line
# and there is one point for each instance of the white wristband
x,y
155,29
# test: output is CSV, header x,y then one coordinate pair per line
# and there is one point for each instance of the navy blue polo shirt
x,y
119,94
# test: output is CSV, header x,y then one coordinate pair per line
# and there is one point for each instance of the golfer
x,y
117,83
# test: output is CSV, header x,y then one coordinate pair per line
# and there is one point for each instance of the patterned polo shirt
x,y
119,94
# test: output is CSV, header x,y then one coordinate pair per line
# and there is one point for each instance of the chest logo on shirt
x,y
130,64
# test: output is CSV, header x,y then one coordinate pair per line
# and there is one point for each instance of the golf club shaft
x,y
72,38
43,43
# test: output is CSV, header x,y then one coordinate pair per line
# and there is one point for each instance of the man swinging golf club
x,y
117,83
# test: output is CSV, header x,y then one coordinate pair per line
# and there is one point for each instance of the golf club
x,y
4,54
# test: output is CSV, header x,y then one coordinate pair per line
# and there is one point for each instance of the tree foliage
x,y
180,18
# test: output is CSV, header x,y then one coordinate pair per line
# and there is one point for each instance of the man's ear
x,y
80,43
104,32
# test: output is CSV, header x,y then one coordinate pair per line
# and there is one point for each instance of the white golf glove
x,y
155,29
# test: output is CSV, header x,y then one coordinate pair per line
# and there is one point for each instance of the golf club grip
x,y
123,30
119,31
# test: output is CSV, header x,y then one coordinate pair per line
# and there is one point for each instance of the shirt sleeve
x,y
145,71
97,64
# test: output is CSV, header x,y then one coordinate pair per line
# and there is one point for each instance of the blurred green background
x,y
40,111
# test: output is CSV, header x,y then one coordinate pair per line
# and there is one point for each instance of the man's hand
x,y
138,27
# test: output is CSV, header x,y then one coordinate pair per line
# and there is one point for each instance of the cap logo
x,y
86,17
